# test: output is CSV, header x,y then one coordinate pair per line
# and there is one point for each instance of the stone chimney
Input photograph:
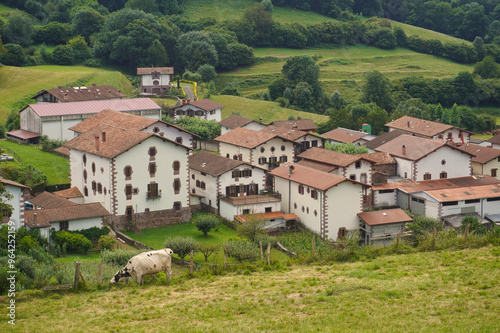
x,y
290,170
97,143
103,137
403,150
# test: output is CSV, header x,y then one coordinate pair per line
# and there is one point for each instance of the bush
x,y
26,265
422,226
40,255
118,257
251,228
73,241
474,225
281,101
93,62
181,246
205,223
26,243
208,249
94,233
207,73
49,144
106,242
241,249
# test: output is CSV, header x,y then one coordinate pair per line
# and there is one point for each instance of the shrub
x,y
49,144
118,257
282,102
475,226
241,249
26,265
94,233
106,242
251,228
422,226
181,246
205,223
207,250
207,72
26,243
93,62
40,255
73,241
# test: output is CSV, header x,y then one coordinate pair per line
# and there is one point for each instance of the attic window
x,y
152,152
283,147
156,130
443,162
262,149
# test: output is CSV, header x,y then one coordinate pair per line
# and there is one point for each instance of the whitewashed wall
x,y
457,164
485,169
80,224
344,203
228,211
170,133
147,80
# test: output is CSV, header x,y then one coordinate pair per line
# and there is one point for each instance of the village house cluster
x,y
129,169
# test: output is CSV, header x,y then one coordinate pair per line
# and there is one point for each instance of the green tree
x,y
377,118
359,113
302,69
148,6
62,55
377,89
19,29
241,54
385,39
208,249
252,228
194,49
303,96
487,68
205,223
181,246
14,56
337,100
207,73
260,20
347,148
80,49
87,22
241,249
54,33
6,209
157,54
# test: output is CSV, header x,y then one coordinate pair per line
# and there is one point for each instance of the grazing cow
x,y
146,263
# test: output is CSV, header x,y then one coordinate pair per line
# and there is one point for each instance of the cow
x,y
146,263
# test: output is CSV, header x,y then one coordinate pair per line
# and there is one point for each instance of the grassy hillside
x,y
17,83
343,68
254,109
233,9
447,291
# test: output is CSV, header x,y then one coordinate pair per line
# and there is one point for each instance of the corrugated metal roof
x,y
91,107
23,134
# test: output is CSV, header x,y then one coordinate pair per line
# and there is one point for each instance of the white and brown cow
x,y
146,263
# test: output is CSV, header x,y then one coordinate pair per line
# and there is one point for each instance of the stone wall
x,y
152,219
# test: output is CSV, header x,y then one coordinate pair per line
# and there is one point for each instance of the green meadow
x,y
342,68
442,291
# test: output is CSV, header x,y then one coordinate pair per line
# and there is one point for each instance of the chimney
x,y
408,123
97,146
65,96
403,150
103,137
290,170
60,87
93,84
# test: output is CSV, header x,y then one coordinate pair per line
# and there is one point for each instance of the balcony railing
x,y
251,199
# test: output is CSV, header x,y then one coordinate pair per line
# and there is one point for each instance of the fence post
x,y
434,238
225,257
268,254
191,263
467,231
261,251
99,276
314,245
77,276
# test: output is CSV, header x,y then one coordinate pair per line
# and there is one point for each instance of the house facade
x,y
424,159
140,178
260,149
155,80
381,227
56,119
20,193
326,204
203,109
430,130
235,121
216,178
486,160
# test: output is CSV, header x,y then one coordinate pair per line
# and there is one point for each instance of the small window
x,y
314,143
129,212
295,205
152,169
283,148
177,185
99,188
301,189
85,176
273,159
303,209
177,167
315,212
179,139
262,149
314,194
86,191
64,225
177,206
427,176
269,209
127,171
93,168
307,210
246,211
450,203
156,130
152,153
153,190
272,149
84,159
262,160
494,172
358,164
385,191
443,175
235,157
283,158
128,191
493,199
192,176
352,177
472,201
203,174
443,162
227,155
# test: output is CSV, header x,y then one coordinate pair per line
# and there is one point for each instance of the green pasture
x,y
17,83
55,167
342,68
253,109
442,291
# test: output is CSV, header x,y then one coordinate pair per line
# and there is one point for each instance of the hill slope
x,y
17,83
437,291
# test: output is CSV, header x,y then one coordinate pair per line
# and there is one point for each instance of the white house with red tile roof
x,y
494,142
155,80
203,109
141,178
266,150
20,193
235,121
430,130
486,160
344,135
418,158
326,204
229,187
55,119
303,140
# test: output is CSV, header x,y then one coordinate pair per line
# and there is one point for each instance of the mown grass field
x,y
343,68
253,109
224,10
446,291
55,167
17,83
